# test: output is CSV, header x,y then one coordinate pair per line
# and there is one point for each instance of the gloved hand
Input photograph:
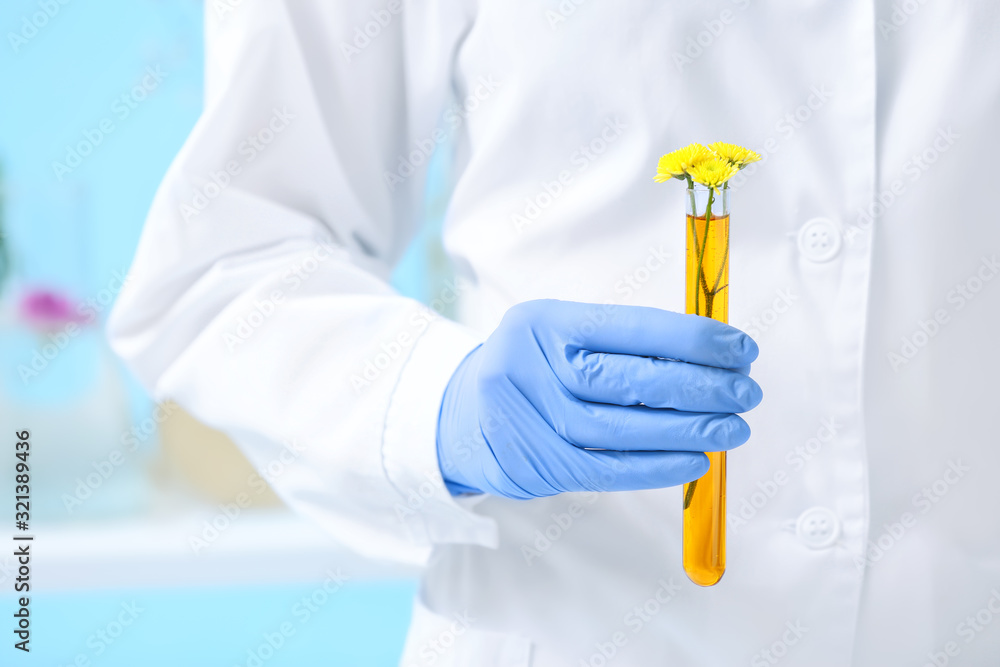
x,y
567,396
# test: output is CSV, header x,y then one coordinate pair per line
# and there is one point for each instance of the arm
x,y
258,296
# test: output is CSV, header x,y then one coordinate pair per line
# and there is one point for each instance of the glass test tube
x,y
708,295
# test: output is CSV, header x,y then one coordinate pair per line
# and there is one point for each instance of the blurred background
x,y
155,543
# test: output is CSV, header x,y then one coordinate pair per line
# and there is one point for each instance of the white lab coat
x,y
863,524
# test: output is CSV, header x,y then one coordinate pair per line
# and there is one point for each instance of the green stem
x,y
690,494
725,260
694,235
694,203
700,274
709,295
697,252
700,278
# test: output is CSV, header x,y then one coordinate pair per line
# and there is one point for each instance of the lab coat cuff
x,y
409,447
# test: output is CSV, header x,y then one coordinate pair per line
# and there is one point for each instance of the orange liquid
x,y
705,504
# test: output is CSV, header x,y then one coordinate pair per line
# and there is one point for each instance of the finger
x,y
633,471
652,332
623,379
534,461
638,428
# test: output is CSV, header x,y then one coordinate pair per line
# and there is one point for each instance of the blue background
x,y
73,232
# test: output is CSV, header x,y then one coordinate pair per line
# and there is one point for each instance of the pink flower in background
x,y
48,309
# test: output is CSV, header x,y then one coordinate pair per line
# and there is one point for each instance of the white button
x,y
818,528
819,240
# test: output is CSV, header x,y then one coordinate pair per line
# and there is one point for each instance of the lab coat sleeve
x,y
258,298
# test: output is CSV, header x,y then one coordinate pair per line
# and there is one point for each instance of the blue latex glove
x,y
568,396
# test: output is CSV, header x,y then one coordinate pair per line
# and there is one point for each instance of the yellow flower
x,y
734,154
713,172
679,163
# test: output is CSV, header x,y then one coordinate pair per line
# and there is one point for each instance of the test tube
x,y
707,294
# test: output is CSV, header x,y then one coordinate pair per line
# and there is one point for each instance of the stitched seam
x,y
385,426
